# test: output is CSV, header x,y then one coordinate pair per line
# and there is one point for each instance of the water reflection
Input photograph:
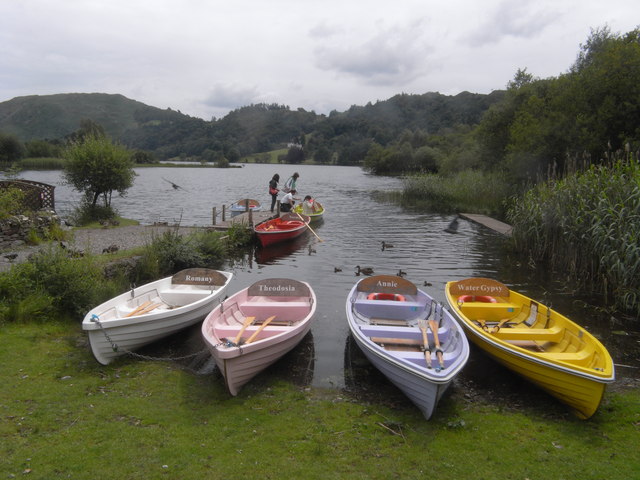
x,y
352,232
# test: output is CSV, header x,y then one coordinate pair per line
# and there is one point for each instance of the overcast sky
x,y
208,57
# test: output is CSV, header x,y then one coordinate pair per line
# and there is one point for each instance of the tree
x,y
97,167
295,154
11,148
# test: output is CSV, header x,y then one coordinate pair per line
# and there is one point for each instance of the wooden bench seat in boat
x,y
554,334
389,309
231,331
183,296
582,357
490,312
397,341
401,334
284,311
388,321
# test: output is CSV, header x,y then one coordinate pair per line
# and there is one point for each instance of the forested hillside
x,y
340,137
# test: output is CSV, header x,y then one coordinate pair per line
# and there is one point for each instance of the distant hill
x,y
55,116
244,131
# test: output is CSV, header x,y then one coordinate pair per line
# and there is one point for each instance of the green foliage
x,y
140,156
469,191
97,167
43,149
11,202
11,149
168,253
592,108
87,214
51,285
587,226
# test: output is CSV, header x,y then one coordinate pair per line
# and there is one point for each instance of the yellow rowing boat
x,y
534,341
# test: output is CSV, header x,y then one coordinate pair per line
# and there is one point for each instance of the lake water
x,y
355,225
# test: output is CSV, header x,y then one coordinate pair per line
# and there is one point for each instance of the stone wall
x,y
15,230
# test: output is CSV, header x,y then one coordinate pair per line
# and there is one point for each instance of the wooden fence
x,y
38,196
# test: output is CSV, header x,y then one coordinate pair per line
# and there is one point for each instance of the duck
x,y
401,273
427,284
336,269
11,256
453,226
386,245
364,271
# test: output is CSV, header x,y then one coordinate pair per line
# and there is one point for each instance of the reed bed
x,y
42,163
469,191
587,225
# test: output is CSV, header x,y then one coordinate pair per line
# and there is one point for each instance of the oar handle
x,y
255,334
309,227
425,342
247,322
434,328
138,309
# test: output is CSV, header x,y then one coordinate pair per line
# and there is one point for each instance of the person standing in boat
x,y
273,190
288,201
290,184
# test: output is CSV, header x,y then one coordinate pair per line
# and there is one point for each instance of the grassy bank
x,y
65,416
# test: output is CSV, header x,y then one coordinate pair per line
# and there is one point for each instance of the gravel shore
x,y
95,240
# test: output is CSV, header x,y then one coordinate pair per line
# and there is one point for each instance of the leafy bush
x,y
11,202
166,254
51,286
88,213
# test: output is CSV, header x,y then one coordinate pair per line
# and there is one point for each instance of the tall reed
x,y
42,163
587,225
470,191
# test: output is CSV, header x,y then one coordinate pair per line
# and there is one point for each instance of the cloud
x,y
514,19
392,55
231,95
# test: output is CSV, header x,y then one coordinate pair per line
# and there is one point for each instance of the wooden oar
x,y
309,227
434,328
422,323
255,334
136,310
496,328
153,306
247,322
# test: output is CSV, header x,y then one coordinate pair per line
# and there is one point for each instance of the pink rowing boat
x,y
255,327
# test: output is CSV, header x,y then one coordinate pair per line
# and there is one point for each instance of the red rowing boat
x,y
286,227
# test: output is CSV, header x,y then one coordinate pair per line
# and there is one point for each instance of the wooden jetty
x,y
492,223
249,218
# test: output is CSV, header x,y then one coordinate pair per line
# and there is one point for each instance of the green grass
x,y
264,157
65,416
121,222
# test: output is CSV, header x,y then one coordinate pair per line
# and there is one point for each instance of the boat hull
x,y
241,206
240,361
282,229
563,359
112,333
375,324
313,217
